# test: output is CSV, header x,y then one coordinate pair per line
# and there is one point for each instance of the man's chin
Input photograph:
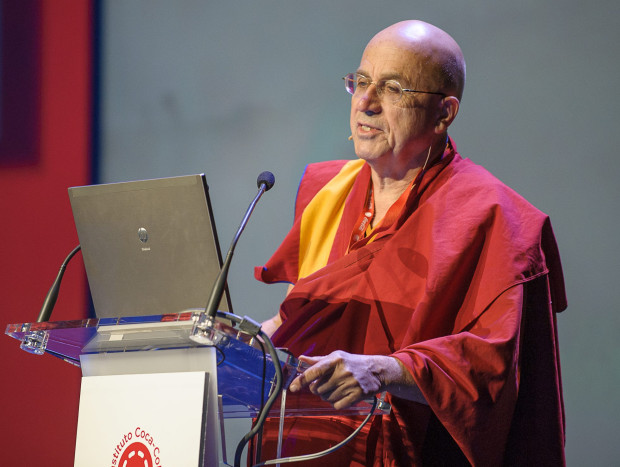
x,y
370,156
368,151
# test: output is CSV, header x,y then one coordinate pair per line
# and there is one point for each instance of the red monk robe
x,y
462,288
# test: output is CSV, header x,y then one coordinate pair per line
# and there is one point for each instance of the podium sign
x,y
144,419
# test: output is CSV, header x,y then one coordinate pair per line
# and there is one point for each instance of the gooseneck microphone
x,y
52,294
267,179
264,182
207,320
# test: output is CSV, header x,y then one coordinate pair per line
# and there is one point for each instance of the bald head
x,y
441,57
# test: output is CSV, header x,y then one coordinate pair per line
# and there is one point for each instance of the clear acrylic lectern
x,y
244,375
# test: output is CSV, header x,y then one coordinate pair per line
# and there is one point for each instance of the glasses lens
x,y
392,90
349,83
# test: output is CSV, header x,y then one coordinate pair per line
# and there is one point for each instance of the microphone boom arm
x,y
52,294
264,184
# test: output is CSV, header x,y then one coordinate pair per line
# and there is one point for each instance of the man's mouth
x,y
367,128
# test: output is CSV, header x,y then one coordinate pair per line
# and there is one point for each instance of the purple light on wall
x,y
20,65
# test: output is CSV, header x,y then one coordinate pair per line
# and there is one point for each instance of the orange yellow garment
x,y
462,288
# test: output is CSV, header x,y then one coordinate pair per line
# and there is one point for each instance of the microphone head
x,y
266,178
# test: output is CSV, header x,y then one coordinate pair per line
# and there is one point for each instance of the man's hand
x,y
343,379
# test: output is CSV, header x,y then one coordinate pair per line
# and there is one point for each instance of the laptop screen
x,y
150,247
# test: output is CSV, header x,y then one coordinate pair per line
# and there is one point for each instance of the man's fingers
x,y
330,378
345,402
309,360
315,372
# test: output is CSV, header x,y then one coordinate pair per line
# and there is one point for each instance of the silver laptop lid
x,y
150,247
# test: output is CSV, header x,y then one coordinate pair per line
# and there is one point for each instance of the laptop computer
x,y
150,247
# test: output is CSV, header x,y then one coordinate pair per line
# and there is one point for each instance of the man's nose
x,y
369,101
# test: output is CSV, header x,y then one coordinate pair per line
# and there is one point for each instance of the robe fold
x,y
462,288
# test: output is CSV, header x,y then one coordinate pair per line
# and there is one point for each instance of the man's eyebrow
x,y
391,75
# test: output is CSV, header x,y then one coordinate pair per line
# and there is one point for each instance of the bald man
x,y
416,272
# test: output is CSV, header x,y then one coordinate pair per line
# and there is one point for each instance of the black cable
x,y
222,354
277,389
272,397
306,457
259,439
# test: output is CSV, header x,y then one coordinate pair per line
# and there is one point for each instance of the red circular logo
x,y
136,455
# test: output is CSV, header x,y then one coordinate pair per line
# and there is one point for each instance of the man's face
x,y
393,132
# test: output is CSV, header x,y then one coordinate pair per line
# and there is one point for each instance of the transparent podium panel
x,y
245,372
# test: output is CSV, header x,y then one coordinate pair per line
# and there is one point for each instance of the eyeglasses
x,y
391,89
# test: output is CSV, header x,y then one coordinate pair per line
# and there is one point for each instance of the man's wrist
x,y
397,380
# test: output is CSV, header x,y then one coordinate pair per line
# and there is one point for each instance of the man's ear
x,y
447,113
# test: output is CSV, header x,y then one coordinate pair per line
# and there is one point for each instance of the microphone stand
x,y
35,342
218,287
52,294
